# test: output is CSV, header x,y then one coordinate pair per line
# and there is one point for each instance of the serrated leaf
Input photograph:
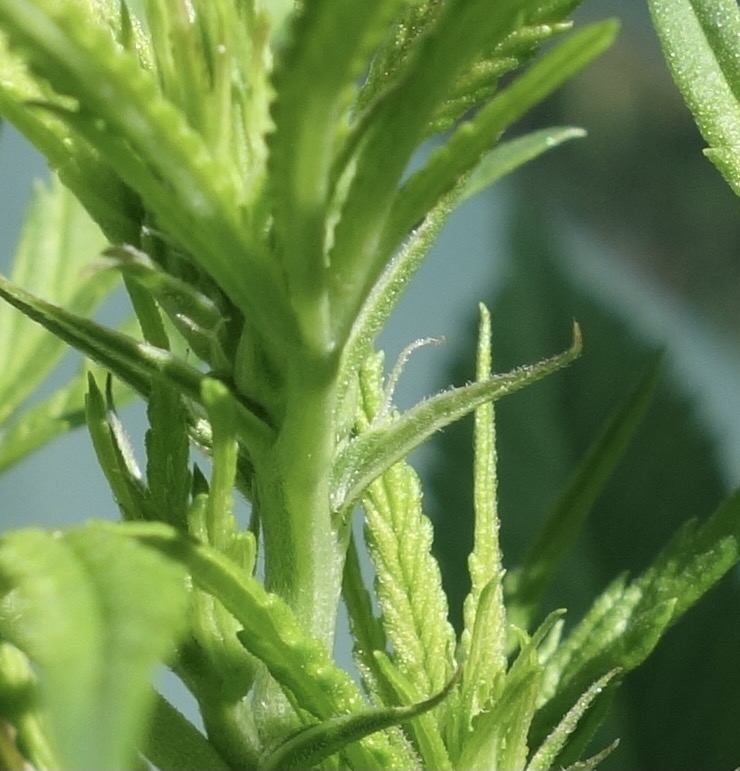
x,y
80,604
527,584
328,49
110,203
149,144
626,623
463,151
408,583
376,449
57,242
700,43
301,664
395,128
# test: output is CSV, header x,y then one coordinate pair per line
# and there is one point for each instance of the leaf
x,y
408,585
149,144
499,735
167,451
626,622
463,151
424,730
527,584
299,663
503,159
396,126
328,49
115,455
80,604
312,744
700,43
196,316
508,156
546,755
57,242
544,432
482,650
174,744
136,363
379,447
111,204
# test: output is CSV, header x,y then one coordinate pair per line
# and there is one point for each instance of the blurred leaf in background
x,y
641,181
669,474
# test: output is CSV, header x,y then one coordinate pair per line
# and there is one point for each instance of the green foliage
x,y
71,602
575,419
245,167
699,39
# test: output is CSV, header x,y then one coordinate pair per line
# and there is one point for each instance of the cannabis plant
x,y
265,180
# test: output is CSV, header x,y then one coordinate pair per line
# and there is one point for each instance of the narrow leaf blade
x,y
699,40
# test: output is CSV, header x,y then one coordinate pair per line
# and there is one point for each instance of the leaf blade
x,y
79,603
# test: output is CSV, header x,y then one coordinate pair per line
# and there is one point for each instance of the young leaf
x,y
114,454
408,583
376,449
396,127
546,755
134,362
499,735
328,49
508,156
195,315
626,622
424,730
312,744
503,159
149,144
80,604
700,44
482,649
464,150
301,664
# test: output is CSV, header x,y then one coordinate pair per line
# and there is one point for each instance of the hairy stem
x,y
303,556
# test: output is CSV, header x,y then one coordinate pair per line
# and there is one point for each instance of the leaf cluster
x,y
246,169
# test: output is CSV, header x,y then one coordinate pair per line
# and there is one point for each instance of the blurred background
x,y
633,233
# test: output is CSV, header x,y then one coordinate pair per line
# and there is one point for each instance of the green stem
x,y
303,556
